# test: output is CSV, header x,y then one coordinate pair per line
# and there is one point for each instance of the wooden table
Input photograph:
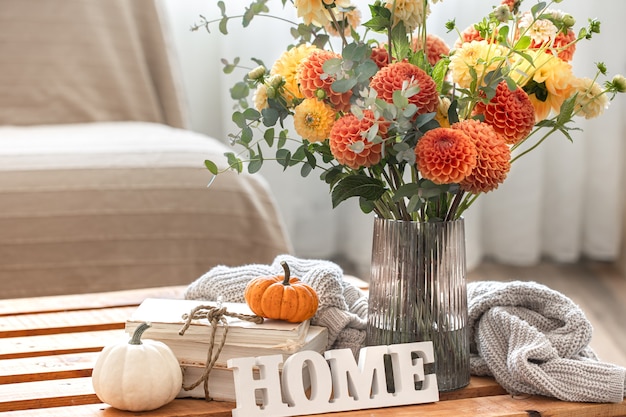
x,y
48,346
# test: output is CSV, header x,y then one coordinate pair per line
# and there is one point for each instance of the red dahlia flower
x,y
309,76
493,157
511,113
349,130
445,155
392,78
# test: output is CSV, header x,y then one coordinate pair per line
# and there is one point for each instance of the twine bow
x,y
214,315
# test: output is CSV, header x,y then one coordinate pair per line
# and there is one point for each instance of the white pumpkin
x,y
140,375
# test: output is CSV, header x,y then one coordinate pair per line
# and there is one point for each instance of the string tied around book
x,y
215,315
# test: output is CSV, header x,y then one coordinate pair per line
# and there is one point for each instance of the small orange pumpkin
x,y
281,297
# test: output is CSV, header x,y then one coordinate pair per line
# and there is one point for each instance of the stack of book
x,y
243,339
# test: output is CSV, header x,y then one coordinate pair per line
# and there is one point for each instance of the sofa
x,y
102,185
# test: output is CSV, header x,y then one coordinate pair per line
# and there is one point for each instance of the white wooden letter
x,y
407,371
269,382
352,382
319,373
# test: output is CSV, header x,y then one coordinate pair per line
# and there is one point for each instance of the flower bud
x,y
502,13
275,81
619,83
320,94
257,73
568,21
271,92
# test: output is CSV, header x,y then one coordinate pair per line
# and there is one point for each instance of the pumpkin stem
x,y
136,338
287,273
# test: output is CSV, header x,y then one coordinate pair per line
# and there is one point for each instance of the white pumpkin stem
x,y
136,338
287,273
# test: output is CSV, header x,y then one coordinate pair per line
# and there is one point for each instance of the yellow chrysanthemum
x,y
590,101
313,120
260,97
553,74
286,67
412,13
479,55
314,12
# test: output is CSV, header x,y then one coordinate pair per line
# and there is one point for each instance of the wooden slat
x,y
64,322
478,387
56,344
498,406
74,365
86,301
54,393
183,408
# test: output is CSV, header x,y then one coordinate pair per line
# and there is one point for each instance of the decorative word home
x,y
337,381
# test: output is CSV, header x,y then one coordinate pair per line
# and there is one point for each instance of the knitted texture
x,y
342,307
534,340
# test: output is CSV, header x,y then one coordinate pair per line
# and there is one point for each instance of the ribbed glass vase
x,y
418,292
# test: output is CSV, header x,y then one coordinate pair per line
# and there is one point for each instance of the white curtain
x,y
562,201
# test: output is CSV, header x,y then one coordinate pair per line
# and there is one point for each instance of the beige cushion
x,y
105,206
73,61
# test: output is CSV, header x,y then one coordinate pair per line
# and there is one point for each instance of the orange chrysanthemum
x,y
380,56
309,75
392,78
493,157
349,147
511,113
435,47
445,156
566,41
313,120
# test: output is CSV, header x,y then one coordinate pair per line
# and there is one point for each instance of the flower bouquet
x,y
416,130
392,115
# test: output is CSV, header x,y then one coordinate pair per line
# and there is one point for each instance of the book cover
x,y
166,317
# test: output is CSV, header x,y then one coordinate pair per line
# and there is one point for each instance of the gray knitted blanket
x,y
342,308
534,340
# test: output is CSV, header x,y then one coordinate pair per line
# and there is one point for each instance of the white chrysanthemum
x,y
542,31
590,101
412,13
260,97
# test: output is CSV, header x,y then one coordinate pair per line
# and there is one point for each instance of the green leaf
x,y
210,165
344,85
270,116
251,114
415,203
269,136
399,100
239,90
523,43
282,138
357,185
305,170
255,165
406,191
366,70
246,135
238,119
439,73
234,162
223,25
332,66
283,156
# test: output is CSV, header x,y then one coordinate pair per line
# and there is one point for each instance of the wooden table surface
x,y
48,347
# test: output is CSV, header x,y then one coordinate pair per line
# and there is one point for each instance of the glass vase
x,y
418,292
